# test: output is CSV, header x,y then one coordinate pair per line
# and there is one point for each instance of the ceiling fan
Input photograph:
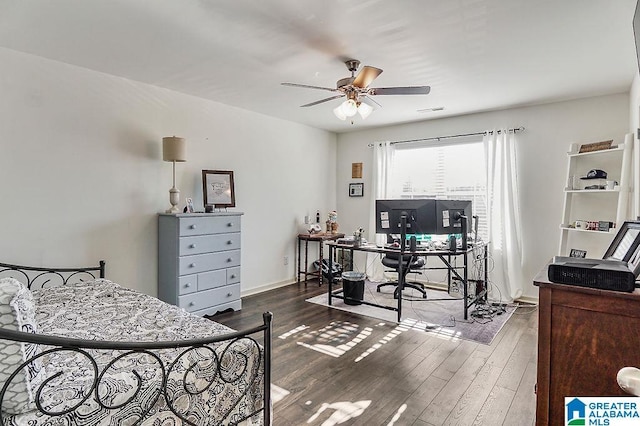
x,y
357,91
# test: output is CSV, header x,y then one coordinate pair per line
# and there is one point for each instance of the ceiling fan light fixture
x,y
364,110
349,108
358,93
338,112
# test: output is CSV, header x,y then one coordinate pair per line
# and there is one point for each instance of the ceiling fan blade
x,y
366,75
306,86
412,90
321,101
371,102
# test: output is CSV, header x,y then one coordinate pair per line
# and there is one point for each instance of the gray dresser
x,y
199,261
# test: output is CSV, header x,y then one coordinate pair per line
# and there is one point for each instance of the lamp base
x,y
174,199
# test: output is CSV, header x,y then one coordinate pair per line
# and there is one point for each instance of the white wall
x,y
542,161
634,125
634,105
83,177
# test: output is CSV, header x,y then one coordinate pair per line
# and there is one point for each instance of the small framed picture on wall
x,y
356,189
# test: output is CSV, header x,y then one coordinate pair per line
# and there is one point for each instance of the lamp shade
x,y
338,112
349,108
174,149
364,110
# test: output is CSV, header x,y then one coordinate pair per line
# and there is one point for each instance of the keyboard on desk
x,y
418,248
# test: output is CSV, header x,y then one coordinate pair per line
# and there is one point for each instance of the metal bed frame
x,y
47,277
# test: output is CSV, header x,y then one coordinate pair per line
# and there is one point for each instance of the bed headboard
x,y
35,277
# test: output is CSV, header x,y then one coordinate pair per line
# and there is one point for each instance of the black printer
x,y
617,270
594,273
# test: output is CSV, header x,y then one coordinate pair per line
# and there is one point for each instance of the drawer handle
x,y
192,265
187,285
230,224
233,275
192,226
229,260
229,294
192,303
229,242
192,246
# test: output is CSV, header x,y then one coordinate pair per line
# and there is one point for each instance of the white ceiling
x,y
476,55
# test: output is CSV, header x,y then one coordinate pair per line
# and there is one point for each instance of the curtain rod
x,y
437,138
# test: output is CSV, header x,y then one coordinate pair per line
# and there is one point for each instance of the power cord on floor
x,y
485,312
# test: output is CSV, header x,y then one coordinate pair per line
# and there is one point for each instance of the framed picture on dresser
x,y
217,188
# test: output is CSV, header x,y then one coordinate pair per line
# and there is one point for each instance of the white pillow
x,y
17,312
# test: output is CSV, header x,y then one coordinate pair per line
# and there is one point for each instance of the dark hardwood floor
x,y
331,367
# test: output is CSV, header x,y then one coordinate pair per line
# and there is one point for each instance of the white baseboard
x,y
263,288
528,299
437,286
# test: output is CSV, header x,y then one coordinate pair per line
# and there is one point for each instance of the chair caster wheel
x,y
424,296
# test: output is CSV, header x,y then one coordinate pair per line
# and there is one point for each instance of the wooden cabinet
x,y
585,336
583,204
199,261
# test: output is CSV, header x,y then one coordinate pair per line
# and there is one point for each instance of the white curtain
x,y
383,153
503,216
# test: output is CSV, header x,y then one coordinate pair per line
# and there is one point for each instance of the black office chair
x,y
410,264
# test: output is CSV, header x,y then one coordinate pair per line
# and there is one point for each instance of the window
x,y
454,171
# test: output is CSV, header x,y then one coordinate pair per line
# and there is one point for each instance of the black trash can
x,y
353,287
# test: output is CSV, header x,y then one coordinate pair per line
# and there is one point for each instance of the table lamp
x,y
174,149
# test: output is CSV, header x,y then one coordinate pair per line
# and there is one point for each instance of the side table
x,y
320,238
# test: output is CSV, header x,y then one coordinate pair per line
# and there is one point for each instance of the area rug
x,y
442,317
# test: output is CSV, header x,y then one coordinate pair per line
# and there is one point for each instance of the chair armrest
x,y
629,380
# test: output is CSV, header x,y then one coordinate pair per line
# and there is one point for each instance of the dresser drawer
x,y
187,284
208,262
233,275
208,225
208,243
208,280
204,299
236,305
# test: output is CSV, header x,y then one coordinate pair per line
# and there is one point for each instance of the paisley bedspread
x,y
219,383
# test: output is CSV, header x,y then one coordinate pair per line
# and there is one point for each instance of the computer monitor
x,y
448,213
420,216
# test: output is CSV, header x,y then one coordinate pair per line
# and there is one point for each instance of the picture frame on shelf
x,y
356,189
578,253
218,189
596,146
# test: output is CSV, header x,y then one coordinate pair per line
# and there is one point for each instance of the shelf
x,y
567,228
617,148
579,201
591,191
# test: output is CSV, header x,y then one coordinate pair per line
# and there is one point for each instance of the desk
x,y
444,255
585,335
320,238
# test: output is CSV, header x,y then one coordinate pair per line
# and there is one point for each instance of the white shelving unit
x,y
609,205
